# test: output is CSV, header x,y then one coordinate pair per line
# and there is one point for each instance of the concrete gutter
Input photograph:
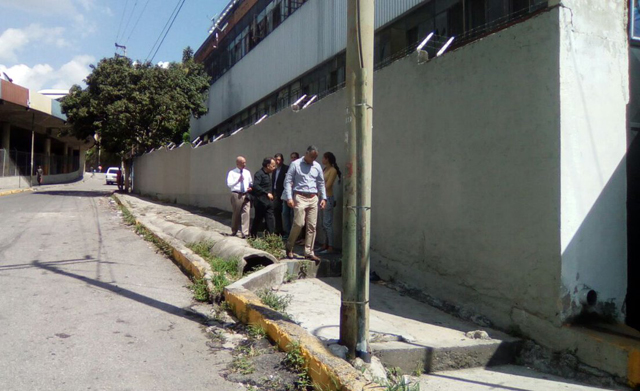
x,y
9,192
325,369
227,247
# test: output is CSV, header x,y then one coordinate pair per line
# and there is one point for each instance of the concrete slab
x,y
404,332
508,377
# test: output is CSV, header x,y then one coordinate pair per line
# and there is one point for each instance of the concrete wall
x,y
594,77
62,178
467,186
14,182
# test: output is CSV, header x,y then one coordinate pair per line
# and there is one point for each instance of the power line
x,y
138,20
121,19
133,10
170,25
162,31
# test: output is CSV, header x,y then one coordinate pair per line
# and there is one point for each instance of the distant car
x,y
112,174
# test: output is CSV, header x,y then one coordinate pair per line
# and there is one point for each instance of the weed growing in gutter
x,y
199,289
296,362
270,299
143,232
225,271
270,243
396,381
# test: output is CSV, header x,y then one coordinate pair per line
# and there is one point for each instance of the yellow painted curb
x,y
326,370
9,192
178,252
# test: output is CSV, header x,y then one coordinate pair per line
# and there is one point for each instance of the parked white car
x,y
112,174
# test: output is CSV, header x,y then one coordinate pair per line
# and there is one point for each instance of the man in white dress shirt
x,y
239,182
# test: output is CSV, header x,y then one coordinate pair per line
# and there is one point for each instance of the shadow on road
x,y
19,266
168,308
75,193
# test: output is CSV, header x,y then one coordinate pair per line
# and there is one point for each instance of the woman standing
x,y
331,172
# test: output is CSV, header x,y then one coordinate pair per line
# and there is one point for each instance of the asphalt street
x,y
86,304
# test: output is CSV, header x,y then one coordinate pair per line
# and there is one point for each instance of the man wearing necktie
x,y
239,182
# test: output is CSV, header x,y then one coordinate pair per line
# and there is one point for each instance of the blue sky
x,y
50,44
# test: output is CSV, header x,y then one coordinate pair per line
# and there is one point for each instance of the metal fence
x,y
18,163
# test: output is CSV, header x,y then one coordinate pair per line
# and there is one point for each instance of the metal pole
x,y
354,311
33,140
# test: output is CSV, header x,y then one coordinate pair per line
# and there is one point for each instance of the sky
x,y
49,44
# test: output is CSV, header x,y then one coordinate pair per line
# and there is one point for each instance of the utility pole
x,y
354,310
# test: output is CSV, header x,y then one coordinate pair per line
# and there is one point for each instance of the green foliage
x,y
270,299
199,289
134,107
396,382
289,277
270,243
295,361
256,331
139,229
225,271
243,365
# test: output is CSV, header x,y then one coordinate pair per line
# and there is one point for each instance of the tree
x,y
133,107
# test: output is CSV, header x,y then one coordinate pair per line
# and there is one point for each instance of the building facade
x,y
500,167
32,127
262,59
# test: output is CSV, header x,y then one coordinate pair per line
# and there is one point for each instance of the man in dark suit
x,y
277,181
263,197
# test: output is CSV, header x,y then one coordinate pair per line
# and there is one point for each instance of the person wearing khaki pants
x,y
239,182
305,191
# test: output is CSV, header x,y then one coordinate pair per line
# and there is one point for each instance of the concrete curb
x,y
227,247
188,261
9,192
326,370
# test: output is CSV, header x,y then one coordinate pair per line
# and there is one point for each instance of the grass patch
x,y
199,289
256,331
270,243
139,229
396,382
242,364
225,271
270,299
295,361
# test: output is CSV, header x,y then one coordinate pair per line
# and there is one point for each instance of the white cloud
x,y
46,7
60,9
44,76
13,40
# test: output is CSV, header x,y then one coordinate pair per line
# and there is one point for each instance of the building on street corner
x,y
21,112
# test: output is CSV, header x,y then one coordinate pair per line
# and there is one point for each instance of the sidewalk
x,y
405,333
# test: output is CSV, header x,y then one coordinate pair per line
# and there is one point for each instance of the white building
x,y
500,172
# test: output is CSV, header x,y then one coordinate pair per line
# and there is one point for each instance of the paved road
x,y
85,304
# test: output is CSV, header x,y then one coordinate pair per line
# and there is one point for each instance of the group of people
x,y
286,198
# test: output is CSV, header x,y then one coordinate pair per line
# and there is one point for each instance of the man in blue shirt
x,y
304,191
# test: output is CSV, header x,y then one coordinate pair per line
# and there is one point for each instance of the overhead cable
x,y
121,19
133,10
138,20
170,21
